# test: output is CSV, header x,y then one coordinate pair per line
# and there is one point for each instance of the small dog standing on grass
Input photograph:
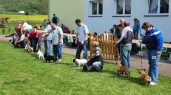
x,y
40,54
28,48
79,62
144,78
123,69
49,58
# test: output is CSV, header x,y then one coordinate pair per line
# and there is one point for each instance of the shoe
x,y
152,83
59,60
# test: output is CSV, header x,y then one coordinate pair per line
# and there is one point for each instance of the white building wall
x,y
138,10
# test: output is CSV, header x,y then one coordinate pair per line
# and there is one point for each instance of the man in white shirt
x,y
81,39
57,40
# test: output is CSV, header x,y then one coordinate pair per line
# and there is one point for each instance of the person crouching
x,y
96,61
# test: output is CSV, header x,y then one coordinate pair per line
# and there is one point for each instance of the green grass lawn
x,y
21,73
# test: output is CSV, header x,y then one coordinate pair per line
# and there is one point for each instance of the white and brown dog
x,y
79,62
40,54
28,48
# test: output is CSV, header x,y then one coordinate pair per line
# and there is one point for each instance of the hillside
x,y
31,6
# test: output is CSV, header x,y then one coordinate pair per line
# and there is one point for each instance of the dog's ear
x,y
73,60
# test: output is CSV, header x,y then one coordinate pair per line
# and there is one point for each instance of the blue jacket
x,y
137,27
153,39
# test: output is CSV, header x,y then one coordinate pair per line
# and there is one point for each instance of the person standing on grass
x,y
81,39
153,39
126,44
47,38
118,31
57,40
55,19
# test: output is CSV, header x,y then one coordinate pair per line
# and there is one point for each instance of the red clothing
x,y
32,35
18,28
66,28
39,34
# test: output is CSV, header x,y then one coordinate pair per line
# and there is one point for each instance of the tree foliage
x,y
31,6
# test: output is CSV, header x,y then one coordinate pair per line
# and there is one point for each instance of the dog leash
x,y
141,54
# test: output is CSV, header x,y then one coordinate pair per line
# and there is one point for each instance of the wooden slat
x,y
66,34
164,44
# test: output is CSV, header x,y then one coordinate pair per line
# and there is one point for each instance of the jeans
x,y
47,45
135,34
23,43
80,48
125,54
57,51
33,44
96,66
65,39
153,59
39,41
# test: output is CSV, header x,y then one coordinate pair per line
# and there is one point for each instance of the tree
x,y
43,7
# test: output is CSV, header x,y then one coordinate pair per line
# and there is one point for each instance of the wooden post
x,y
91,38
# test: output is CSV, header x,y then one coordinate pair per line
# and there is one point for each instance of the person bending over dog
x,y
96,62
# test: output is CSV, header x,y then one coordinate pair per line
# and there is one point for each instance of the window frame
x,y
148,14
91,6
115,10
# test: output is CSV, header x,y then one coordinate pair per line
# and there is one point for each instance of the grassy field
x,y
16,17
22,73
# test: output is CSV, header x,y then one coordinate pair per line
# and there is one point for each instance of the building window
x,y
158,6
96,7
123,7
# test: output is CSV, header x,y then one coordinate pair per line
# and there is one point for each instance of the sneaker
x,y
59,60
152,83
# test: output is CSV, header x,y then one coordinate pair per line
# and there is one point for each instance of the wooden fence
x,y
107,43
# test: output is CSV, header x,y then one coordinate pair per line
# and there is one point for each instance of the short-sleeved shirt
x,y
32,35
22,37
49,36
82,31
56,34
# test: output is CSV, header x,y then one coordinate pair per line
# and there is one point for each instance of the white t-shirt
x,y
82,31
27,26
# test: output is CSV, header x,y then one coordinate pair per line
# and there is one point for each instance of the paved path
x,y
164,65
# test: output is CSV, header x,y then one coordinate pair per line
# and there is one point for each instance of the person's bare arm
x,y
61,38
76,38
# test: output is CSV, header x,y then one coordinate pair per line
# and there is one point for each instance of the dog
x,y
144,78
29,49
123,69
49,58
26,47
79,62
40,54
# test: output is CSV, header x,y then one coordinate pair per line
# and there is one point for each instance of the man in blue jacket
x,y
154,43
